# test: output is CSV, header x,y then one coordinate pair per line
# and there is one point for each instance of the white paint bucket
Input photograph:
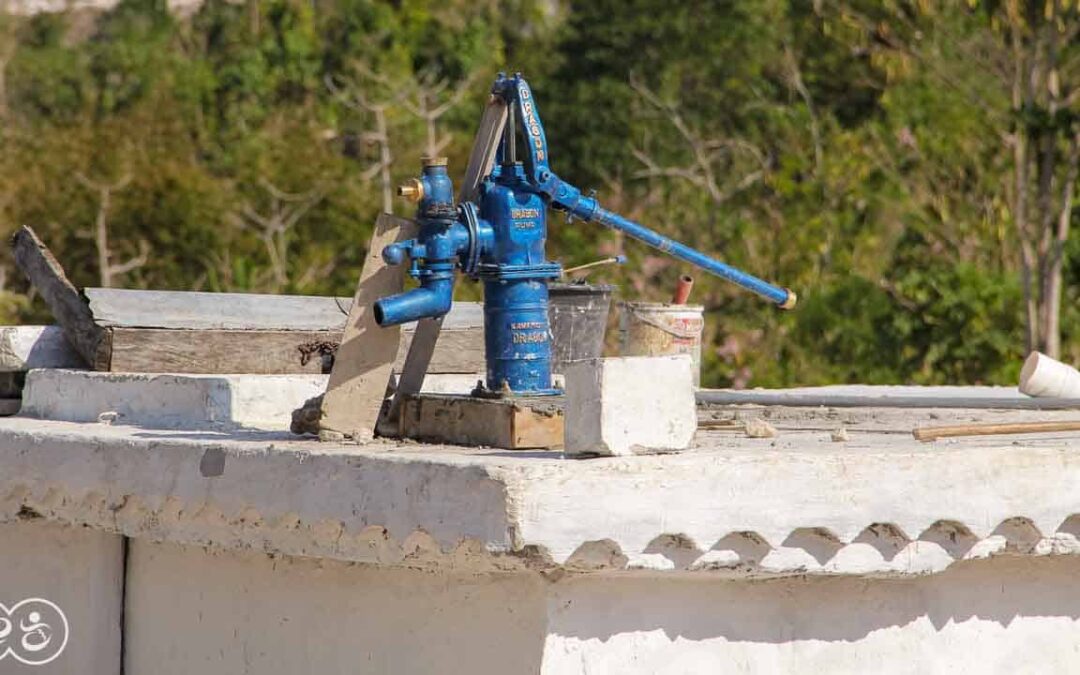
x,y
662,329
1044,376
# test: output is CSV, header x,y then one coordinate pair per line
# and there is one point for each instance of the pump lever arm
x,y
565,197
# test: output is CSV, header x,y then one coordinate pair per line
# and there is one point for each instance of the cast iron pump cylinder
x,y
517,338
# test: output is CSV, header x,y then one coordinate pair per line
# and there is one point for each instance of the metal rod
x,y
783,297
510,138
613,260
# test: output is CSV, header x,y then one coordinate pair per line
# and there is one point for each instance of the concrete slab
x,y
894,396
185,401
800,503
169,401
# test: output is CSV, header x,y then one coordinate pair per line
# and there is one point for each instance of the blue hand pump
x,y
496,234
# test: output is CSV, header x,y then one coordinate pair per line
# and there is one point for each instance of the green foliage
x,y
851,151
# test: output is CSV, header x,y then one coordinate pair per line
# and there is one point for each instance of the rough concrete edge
x,y
227,524
163,490
881,550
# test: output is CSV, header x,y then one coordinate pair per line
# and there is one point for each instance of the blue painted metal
x,y
441,241
515,273
501,242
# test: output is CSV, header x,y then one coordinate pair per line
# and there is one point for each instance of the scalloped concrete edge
x,y
446,510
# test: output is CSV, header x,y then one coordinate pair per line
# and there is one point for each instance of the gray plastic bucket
x,y
578,314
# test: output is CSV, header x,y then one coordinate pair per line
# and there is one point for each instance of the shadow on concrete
x,y
816,607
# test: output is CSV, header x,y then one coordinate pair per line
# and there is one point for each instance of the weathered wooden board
x,y
457,351
67,305
192,332
513,424
130,308
156,350
366,357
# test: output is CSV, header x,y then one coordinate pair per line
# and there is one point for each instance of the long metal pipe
x,y
783,297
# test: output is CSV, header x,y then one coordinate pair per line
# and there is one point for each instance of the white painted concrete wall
x,y
1007,616
81,571
195,611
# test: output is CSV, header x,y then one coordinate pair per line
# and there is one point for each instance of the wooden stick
x,y
68,306
933,433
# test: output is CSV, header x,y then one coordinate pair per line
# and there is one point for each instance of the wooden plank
x,y
366,358
132,308
926,434
417,360
156,350
513,424
485,144
67,305
457,351
537,426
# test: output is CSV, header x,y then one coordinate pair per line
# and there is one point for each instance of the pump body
x,y
499,239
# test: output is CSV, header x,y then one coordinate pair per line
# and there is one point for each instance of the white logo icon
x,y
34,631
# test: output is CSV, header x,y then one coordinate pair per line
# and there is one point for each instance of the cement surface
x,y
218,613
165,401
896,396
999,617
878,504
81,571
226,613
24,348
187,401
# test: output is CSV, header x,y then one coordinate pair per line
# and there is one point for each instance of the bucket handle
x,y
659,326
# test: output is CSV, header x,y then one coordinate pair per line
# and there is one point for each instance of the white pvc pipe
x,y
1044,376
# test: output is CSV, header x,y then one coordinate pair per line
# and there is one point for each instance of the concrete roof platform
x,y
879,503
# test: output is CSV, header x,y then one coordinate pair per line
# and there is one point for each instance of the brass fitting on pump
x,y
412,189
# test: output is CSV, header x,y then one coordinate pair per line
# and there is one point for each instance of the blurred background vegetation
x,y
909,167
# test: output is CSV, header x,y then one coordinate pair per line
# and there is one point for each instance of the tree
x,y
274,226
108,270
1043,42
1017,62
351,94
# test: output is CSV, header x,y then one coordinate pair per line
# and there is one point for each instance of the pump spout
x,y
430,300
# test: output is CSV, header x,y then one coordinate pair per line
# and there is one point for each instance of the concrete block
x,y
164,401
629,404
23,348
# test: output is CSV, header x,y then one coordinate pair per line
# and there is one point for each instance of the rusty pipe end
x,y
682,291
